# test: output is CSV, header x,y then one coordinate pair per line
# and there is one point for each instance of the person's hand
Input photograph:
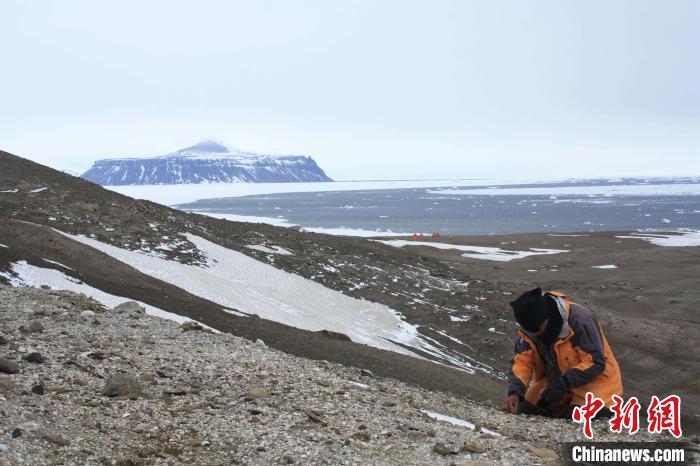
x,y
552,394
511,403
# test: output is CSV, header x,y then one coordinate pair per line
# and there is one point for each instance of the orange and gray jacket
x,y
580,355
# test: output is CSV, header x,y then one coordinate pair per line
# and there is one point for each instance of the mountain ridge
x,y
208,161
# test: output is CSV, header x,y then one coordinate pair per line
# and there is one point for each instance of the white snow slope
x,y
30,275
237,281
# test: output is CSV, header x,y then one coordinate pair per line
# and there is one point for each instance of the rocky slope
x,y
206,162
426,292
84,384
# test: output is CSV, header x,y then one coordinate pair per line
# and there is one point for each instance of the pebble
x,y
544,453
442,449
474,447
122,385
33,326
34,357
258,392
129,306
38,389
5,383
8,367
56,439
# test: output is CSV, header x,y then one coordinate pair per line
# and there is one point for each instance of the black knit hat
x,y
531,309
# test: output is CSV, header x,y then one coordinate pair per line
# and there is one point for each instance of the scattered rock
x,y
8,367
87,314
3,340
260,344
366,373
544,453
34,357
122,385
38,389
17,432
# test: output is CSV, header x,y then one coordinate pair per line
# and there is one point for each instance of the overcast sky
x,y
373,90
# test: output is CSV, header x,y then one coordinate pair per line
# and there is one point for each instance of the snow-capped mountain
x,y
206,162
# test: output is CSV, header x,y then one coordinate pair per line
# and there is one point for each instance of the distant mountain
x,y
206,162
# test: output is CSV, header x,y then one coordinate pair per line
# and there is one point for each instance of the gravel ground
x,y
115,386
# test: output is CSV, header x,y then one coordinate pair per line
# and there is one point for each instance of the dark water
x,y
417,210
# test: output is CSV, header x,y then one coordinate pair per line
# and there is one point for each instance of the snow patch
x,y
30,275
38,190
682,239
270,250
477,252
56,263
609,266
457,422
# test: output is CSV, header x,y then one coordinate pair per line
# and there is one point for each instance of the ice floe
x,y
477,252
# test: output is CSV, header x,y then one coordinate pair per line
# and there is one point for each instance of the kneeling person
x,y
560,354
